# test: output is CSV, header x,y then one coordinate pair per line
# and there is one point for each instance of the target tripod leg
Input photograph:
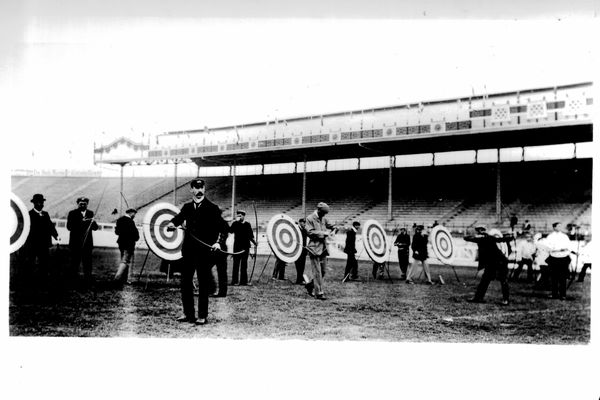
x,y
168,272
455,274
387,268
263,268
143,264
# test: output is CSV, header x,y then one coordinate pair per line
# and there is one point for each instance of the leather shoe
x,y
504,302
186,319
200,321
321,297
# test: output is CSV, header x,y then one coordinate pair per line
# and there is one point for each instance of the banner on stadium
x,y
501,113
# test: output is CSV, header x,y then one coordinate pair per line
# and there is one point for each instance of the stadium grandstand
x,y
459,162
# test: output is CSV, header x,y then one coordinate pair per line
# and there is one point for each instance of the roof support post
x,y
390,188
498,191
121,197
175,184
233,168
304,188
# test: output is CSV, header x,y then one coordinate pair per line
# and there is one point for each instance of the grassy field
x,y
369,310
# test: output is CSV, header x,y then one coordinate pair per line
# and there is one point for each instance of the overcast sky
x,y
75,73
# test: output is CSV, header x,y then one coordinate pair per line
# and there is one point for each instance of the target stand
x,y
284,238
442,245
164,243
376,244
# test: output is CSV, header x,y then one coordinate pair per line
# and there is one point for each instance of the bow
x,y
574,273
93,219
256,238
206,244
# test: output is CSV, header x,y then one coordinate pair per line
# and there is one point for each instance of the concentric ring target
x,y
284,238
375,241
19,223
442,244
167,245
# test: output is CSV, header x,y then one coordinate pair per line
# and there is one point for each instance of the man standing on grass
x,y
419,248
403,244
351,271
318,229
128,235
558,245
243,236
40,237
80,224
301,261
492,260
203,238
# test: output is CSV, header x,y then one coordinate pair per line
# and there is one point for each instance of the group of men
x,y
80,224
204,247
403,243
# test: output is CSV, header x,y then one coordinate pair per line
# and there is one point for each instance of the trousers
x,y
200,266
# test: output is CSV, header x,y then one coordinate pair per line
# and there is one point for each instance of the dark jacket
x,y
489,252
403,243
243,235
203,223
81,230
127,232
41,231
350,247
419,247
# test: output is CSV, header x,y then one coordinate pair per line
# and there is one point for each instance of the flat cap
x,y
197,183
82,200
323,206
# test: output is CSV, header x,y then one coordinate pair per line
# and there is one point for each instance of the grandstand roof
x,y
427,144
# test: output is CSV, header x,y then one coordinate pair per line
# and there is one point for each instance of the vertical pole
x,y
233,190
390,189
304,189
175,185
498,191
121,197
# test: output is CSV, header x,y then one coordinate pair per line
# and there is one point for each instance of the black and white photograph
x,y
289,199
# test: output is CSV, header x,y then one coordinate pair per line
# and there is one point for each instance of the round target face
x,y
284,238
167,245
19,223
375,241
442,244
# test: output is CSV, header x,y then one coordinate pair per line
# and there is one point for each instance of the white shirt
x,y
525,249
556,243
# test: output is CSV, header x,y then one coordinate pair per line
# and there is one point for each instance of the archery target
x,y
167,245
284,238
375,241
442,244
19,223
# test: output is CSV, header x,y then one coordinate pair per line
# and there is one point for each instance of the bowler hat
x,y
37,197
131,210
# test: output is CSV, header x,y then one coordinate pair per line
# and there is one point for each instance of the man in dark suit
x,y
403,244
243,236
127,234
203,237
220,289
350,249
493,261
80,224
301,261
39,239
